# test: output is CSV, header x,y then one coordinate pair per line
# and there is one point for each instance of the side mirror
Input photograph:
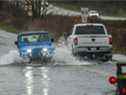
x,y
52,40
16,43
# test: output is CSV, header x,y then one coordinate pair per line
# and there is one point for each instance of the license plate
x,y
93,49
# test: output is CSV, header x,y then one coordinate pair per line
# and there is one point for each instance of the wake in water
x,y
62,56
11,57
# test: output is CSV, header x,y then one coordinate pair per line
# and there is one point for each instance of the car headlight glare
x,y
45,49
29,50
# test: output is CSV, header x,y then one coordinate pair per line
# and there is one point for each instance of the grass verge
x,y
7,27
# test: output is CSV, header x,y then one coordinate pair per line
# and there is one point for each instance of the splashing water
x,y
11,57
63,56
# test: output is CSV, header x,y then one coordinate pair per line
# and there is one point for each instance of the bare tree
x,y
32,8
36,8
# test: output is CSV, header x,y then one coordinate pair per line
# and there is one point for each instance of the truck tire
x,y
73,53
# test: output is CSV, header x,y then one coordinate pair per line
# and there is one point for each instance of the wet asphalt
x,y
52,80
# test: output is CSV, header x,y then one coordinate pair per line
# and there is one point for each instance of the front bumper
x,y
37,54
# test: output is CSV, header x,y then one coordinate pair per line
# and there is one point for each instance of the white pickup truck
x,y
91,40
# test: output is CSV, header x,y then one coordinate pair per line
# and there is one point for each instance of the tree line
x,y
32,8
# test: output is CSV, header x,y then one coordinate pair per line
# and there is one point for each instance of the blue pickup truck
x,y
35,46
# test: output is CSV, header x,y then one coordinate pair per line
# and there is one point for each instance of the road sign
x,y
84,14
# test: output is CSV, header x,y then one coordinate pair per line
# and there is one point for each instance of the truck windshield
x,y
29,38
89,29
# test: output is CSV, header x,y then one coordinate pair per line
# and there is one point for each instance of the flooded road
x,y
67,76
51,80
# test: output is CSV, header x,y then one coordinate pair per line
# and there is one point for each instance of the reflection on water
x,y
45,91
30,80
45,80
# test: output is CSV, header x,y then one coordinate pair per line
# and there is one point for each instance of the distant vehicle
x,y
35,45
120,80
93,13
91,40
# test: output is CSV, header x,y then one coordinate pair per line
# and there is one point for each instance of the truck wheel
x,y
30,61
73,53
27,60
91,56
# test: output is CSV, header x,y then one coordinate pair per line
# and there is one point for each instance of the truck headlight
x,y
45,49
29,50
